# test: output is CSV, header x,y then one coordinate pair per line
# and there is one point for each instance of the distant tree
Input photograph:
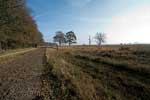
x,y
71,37
100,38
59,37
90,41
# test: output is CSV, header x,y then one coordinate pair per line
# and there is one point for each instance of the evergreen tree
x,y
71,37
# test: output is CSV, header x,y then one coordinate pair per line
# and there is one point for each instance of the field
x,y
77,73
106,73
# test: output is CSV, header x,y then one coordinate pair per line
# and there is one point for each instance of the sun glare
x,y
131,27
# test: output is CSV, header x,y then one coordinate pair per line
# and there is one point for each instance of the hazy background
x,y
124,21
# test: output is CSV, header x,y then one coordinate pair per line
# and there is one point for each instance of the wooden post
x,y
89,40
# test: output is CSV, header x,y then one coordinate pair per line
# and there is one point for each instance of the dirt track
x,y
20,79
16,53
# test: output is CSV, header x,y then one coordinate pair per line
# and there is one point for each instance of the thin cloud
x,y
78,3
95,19
41,15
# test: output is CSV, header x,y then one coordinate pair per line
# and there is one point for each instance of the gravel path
x,y
21,78
16,53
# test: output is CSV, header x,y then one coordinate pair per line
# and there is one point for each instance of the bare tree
x,y
59,37
100,38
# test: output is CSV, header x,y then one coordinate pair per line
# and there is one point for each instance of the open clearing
x,y
78,73
108,73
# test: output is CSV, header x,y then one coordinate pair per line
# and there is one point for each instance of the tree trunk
x,y
0,46
57,47
99,43
59,43
69,44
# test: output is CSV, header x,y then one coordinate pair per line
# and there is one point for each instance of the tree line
x,y
17,27
70,38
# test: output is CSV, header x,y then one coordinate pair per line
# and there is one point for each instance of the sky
x,y
123,21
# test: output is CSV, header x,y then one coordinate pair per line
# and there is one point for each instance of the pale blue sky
x,y
123,21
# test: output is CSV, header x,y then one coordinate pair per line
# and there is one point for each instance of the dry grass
x,y
107,73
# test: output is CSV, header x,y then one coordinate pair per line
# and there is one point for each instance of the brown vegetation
x,y
78,73
17,27
122,73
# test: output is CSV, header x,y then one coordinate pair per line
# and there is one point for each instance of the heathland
x,y
105,73
77,73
